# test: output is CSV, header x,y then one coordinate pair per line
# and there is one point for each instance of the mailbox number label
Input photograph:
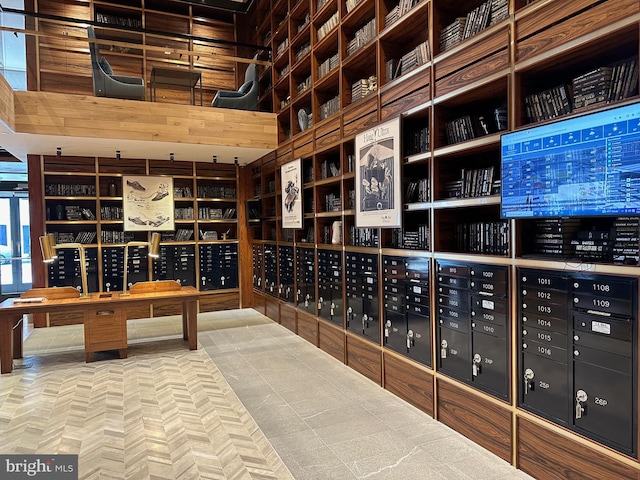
x,y
544,295
601,287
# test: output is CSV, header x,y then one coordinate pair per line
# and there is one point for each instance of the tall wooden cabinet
x,y
455,91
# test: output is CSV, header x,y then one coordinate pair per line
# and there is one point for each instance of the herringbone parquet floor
x,y
163,413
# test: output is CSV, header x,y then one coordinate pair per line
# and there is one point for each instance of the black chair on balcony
x,y
105,83
246,98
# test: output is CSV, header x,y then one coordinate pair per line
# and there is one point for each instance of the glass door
x,y
15,246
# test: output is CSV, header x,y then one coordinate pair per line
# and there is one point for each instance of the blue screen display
x,y
587,165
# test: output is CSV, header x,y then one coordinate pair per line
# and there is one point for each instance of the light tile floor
x,y
324,420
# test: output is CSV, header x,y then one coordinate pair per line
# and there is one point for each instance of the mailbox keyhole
x,y
443,349
528,380
581,398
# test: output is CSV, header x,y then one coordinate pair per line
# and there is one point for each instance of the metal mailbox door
x,y
490,363
418,338
545,387
395,331
454,357
605,407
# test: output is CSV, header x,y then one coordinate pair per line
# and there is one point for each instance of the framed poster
x,y
147,203
291,181
378,196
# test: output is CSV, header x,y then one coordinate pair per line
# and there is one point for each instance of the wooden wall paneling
x,y
408,381
483,421
485,69
7,106
365,358
308,327
288,317
418,80
259,302
574,28
217,302
284,157
56,114
331,340
245,238
544,453
548,14
361,124
303,144
328,127
360,108
57,83
403,104
272,308
491,42
328,140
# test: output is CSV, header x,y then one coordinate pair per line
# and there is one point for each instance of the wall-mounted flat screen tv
x,y
580,166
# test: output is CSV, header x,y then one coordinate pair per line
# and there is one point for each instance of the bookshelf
x,y
456,97
83,203
65,66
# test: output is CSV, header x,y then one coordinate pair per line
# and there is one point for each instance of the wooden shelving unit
x,y
534,46
83,203
64,64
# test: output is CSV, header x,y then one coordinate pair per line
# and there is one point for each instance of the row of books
x,y
115,236
329,168
328,65
70,190
363,237
206,213
416,238
550,103
282,46
399,10
474,126
364,87
614,240
362,36
304,85
327,26
606,84
596,87
182,192
488,13
489,238
118,20
332,203
416,141
111,213
76,212
417,191
302,51
477,182
415,57
351,4
183,234
330,108
183,213
80,237
216,191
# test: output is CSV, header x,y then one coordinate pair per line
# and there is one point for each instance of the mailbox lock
x,y
528,383
475,367
410,339
443,349
576,337
387,328
365,322
581,397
